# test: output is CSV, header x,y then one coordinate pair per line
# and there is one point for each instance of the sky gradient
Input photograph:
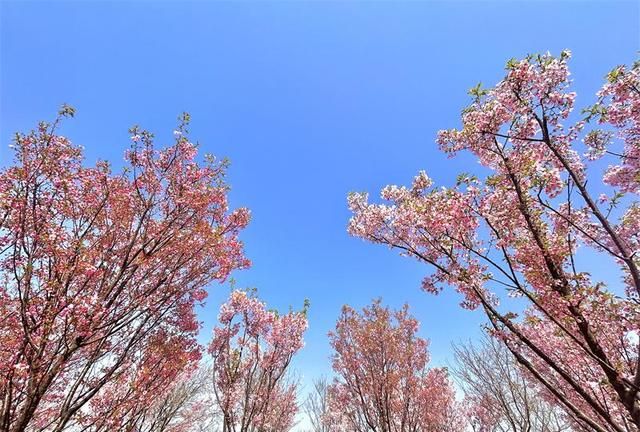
x,y
309,101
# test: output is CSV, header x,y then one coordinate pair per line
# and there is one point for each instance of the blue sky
x,y
309,100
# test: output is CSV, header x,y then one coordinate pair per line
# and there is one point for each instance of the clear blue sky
x,y
309,100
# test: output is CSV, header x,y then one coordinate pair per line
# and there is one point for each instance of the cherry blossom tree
x,y
252,349
383,383
99,275
527,226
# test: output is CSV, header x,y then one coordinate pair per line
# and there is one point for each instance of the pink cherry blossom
x,y
519,230
252,349
382,380
99,275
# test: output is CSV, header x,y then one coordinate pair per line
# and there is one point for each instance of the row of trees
x,y
100,274
497,396
381,382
